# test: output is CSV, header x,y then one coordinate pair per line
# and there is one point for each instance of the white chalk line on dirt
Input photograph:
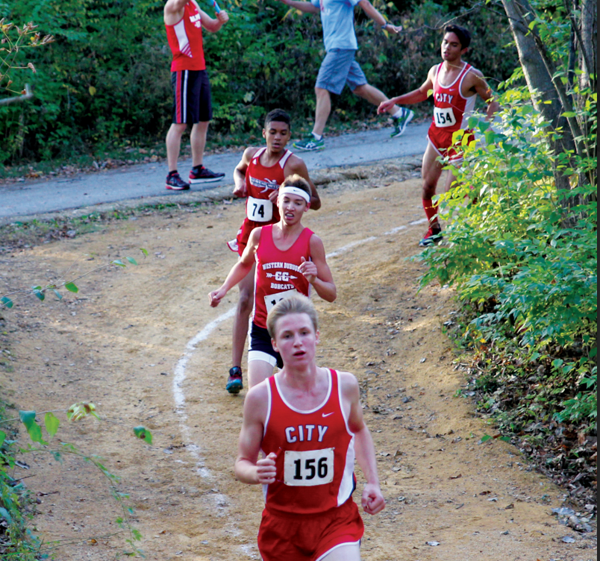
x,y
180,368
179,394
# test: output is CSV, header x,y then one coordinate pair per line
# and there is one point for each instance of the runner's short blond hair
x,y
295,304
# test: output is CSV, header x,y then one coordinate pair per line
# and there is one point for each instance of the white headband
x,y
295,191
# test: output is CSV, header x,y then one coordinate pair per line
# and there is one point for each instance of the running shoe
x,y
233,246
200,174
310,144
433,235
235,383
400,122
175,183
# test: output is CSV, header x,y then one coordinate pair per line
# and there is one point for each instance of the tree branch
x,y
19,98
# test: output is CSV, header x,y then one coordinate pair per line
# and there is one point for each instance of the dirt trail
x,y
122,344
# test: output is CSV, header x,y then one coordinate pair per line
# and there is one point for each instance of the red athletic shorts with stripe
x,y
309,537
441,140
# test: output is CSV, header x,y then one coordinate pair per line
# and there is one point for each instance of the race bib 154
x,y
444,117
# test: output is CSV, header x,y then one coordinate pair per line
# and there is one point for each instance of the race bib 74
x,y
259,210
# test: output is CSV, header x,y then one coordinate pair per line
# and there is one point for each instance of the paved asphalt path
x,y
19,200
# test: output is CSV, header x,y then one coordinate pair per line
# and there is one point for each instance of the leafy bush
x,y
105,80
523,260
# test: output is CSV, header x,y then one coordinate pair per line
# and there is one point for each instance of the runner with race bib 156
x,y
309,424
289,259
454,85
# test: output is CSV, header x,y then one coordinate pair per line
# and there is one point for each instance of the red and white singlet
x,y
261,181
185,40
451,111
315,462
278,272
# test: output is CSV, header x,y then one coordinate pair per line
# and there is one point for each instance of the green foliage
x,y
143,434
524,262
20,543
105,81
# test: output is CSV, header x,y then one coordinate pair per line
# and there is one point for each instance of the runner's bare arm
x,y
475,83
297,165
416,96
239,174
173,11
210,24
248,468
379,20
305,7
238,271
317,271
372,498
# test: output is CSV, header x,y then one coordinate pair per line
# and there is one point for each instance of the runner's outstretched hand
x,y
216,296
309,270
385,106
394,28
266,469
372,499
223,17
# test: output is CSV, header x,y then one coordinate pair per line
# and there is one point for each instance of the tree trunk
x,y
589,41
539,81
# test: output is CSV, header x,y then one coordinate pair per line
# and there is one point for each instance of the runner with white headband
x,y
257,178
288,190
289,260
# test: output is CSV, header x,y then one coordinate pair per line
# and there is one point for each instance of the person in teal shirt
x,y
340,67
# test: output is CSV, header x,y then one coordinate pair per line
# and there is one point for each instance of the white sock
x,y
317,136
397,114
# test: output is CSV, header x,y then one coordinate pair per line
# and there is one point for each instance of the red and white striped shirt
x,y
185,40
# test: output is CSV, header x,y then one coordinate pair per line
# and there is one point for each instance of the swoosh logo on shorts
x,y
328,414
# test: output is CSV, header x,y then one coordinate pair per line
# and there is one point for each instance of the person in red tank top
x,y
307,421
184,21
257,178
452,105
289,259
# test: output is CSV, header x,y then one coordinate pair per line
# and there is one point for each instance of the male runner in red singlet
x,y
308,422
257,177
184,21
454,84
289,259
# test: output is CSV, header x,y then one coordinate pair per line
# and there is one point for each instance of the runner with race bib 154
x,y
454,85
289,259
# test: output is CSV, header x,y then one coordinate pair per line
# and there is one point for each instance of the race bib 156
x,y
308,469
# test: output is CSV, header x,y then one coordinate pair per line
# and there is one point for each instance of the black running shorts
x,y
191,92
261,347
